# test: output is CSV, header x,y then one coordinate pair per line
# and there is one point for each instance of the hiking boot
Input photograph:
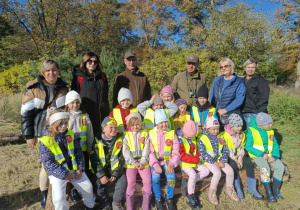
x,y
192,202
159,205
117,206
170,204
276,188
44,198
230,192
269,193
212,196
74,196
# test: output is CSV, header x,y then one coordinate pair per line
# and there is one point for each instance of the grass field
x,y
20,165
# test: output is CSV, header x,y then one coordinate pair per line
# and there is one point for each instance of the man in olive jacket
x,y
186,84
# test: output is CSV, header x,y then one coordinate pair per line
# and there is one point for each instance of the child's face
x,y
236,129
155,107
163,126
167,97
202,100
266,127
136,127
182,109
125,104
62,127
74,105
213,130
110,130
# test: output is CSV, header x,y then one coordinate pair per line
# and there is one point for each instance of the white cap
x,y
124,93
72,96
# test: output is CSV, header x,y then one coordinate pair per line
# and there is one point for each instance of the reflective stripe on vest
x,y
114,159
226,137
258,143
56,151
186,145
132,146
209,149
197,119
83,133
118,117
169,138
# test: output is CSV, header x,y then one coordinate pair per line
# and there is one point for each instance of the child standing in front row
x,y
63,161
164,156
125,107
136,150
264,150
215,157
190,161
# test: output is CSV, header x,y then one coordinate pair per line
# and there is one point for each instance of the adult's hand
x,y
31,143
222,111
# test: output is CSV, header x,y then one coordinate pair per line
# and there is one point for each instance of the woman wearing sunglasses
x,y
228,91
91,83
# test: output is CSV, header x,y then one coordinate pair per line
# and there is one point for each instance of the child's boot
x,y
276,188
238,189
212,196
170,204
44,198
192,202
129,202
146,201
269,193
159,205
74,196
252,188
105,202
117,206
230,192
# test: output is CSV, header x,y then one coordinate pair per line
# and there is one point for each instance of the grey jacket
x,y
142,107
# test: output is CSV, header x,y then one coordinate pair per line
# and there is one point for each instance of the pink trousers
x,y
195,175
131,180
217,175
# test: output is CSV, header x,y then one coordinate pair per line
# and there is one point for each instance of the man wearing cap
x,y
186,84
133,79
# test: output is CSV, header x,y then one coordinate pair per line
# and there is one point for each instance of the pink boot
x,y
146,200
129,202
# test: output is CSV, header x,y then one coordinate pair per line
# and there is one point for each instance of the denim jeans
x,y
156,183
247,117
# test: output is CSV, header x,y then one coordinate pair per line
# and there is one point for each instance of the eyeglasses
x,y
92,61
225,66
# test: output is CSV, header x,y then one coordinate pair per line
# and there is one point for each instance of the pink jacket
x,y
236,140
175,155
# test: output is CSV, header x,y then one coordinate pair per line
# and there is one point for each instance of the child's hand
x,y
217,164
240,162
31,143
78,174
170,169
221,164
103,180
222,111
271,160
112,179
266,157
200,158
141,167
152,98
69,177
137,165
158,169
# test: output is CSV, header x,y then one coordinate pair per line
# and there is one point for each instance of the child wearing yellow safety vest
x,y
164,157
263,148
136,148
202,109
107,163
125,107
147,109
190,161
63,161
236,140
215,157
181,115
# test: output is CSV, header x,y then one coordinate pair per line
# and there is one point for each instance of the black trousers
x,y
247,164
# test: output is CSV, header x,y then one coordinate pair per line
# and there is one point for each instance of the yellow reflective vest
x,y
225,136
169,138
118,117
258,143
197,119
187,149
149,122
209,149
56,151
181,120
132,147
83,133
114,159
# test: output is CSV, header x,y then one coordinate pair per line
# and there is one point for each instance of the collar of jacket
x,y
78,72
39,80
232,80
194,75
99,138
255,76
136,71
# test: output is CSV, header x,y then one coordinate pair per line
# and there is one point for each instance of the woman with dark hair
x,y
91,83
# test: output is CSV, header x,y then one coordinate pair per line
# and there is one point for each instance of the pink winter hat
x,y
190,129
166,89
212,122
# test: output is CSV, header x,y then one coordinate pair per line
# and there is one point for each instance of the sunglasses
x,y
92,61
225,66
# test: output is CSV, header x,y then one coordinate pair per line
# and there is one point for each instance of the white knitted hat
x,y
72,96
124,93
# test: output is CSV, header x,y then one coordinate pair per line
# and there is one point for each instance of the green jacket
x,y
264,137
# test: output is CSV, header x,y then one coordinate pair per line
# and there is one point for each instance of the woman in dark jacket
x,y
91,83
47,92
228,91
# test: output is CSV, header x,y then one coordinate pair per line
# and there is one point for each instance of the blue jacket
x,y
232,95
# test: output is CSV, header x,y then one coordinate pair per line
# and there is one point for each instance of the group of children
x,y
151,139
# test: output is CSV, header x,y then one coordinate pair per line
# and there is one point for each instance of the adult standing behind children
x,y
186,84
46,92
134,80
257,92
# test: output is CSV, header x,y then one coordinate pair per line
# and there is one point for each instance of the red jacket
x,y
124,113
186,157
